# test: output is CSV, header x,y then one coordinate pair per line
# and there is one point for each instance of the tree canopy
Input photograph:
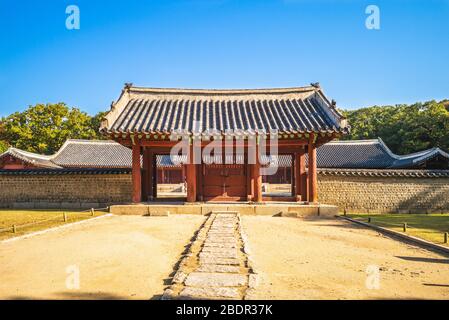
x,y
404,128
44,128
3,146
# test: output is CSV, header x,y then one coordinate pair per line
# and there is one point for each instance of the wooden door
x,y
224,182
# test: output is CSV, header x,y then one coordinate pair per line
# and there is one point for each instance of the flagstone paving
x,y
217,265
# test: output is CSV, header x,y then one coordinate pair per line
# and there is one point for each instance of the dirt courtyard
x,y
131,257
331,259
118,257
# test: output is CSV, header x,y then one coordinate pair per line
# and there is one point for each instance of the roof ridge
x,y
31,154
219,91
362,141
89,141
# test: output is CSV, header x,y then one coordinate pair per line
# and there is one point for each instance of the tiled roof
x,y
351,154
93,154
385,173
363,154
416,159
65,171
370,154
168,161
291,110
30,158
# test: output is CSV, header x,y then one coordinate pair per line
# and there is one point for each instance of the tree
x,y
404,128
3,146
95,123
44,128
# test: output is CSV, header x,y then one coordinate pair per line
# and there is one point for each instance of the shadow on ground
x,y
77,296
421,259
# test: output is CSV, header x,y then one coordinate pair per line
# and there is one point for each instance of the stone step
x,y
220,245
209,293
225,213
218,268
222,261
213,255
217,249
204,279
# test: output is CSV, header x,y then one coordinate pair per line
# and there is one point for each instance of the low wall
x,y
64,189
385,191
373,191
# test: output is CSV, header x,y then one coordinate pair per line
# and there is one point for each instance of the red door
x,y
224,182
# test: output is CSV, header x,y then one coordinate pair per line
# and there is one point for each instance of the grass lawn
x,y
44,218
430,227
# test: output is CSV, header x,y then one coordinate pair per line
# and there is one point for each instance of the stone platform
x,y
288,209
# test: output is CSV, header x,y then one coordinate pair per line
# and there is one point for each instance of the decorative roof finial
x,y
315,85
334,103
128,85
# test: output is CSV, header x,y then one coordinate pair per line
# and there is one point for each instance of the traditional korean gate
x,y
224,182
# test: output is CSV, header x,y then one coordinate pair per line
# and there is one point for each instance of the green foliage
x,y
3,146
44,128
404,128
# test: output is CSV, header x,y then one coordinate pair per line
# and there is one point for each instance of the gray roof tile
x,y
297,110
93,154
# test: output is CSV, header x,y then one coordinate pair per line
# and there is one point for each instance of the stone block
x,y
218,268
129,210
269,210
193,209
328,211
243,210
204,279
222,261
209,293
305,210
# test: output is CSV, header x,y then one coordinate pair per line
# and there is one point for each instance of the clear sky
x,y
222,44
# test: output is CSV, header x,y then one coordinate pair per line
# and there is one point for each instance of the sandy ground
x,y
328,259
119,257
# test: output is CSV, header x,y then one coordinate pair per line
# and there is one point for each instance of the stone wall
x,y
374,191
64,191
385,192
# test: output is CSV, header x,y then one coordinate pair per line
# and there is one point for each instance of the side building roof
x,y
93,154
349,154
33,159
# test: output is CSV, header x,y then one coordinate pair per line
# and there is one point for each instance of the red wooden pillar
x,y
303,189
297,170
191,177
249,182
145,169
313,182
301,175
136,174
257,178
199,182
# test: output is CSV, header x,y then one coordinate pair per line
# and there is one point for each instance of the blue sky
x,y
222,44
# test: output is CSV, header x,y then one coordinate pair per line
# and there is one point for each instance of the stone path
x,y
216,265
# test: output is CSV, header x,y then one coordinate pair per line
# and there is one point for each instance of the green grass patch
x,y
27,221
430,227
